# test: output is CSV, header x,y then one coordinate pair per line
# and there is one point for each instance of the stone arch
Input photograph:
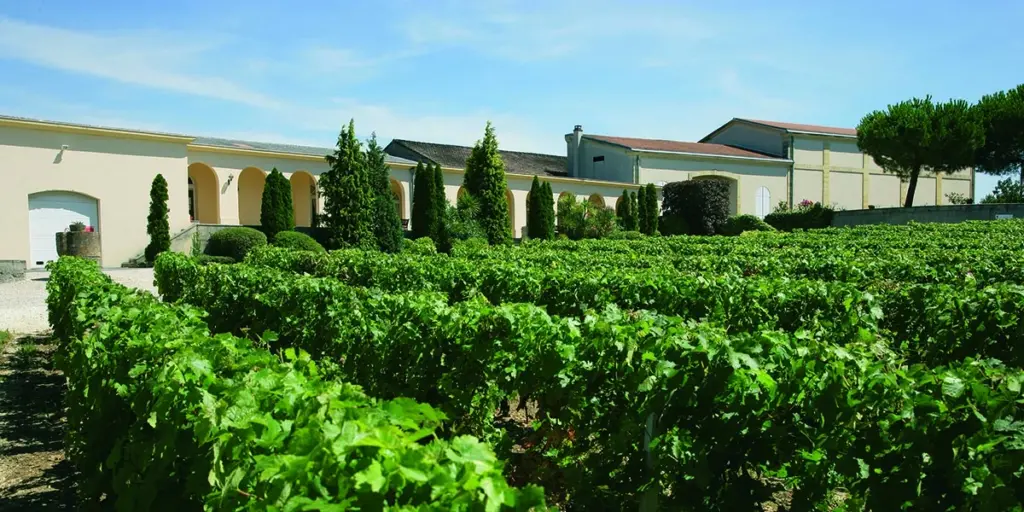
x,y
732,181
462,191
250,195
304,197
396,191
203,194
596,200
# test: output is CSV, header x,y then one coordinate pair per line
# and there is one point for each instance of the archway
x,y
204,194
596,200
564,198
510,200
396,192
250,195
618,204
734,205
462,191
304,198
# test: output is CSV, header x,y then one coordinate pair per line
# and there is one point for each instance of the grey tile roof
x,y
449,155
216,141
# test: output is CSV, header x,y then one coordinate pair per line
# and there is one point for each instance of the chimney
x,y
572,142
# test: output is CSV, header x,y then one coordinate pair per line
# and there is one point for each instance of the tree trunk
x,y
911,188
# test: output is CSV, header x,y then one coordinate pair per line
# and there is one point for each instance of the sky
x,y
438,70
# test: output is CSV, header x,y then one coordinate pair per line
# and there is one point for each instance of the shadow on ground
x,y
33,472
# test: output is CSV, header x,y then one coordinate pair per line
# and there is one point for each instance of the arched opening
x,y
462,191
51,212
250,195
510,200
304,198
596,199
734,205
396,192
565,199
203,194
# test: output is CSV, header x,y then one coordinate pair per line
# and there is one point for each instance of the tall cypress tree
x,y
535,210
548,211
641,213
387,224
348,202
634,211
652,209
628,213
276,211
438,203
424,216
485,181
157,224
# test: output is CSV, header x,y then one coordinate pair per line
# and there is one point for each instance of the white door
x,y
52,212
764,202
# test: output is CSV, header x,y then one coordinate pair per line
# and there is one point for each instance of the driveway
x,y
23,303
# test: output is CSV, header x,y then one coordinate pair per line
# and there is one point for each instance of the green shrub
x,y
703,205
469,247
206,259
297,241
235,242
421,246
622,234
739,224
806,216
157,223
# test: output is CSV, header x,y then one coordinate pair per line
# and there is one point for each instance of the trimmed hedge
x,y
235,242
297,241
811,217
740,223
700,205
206,259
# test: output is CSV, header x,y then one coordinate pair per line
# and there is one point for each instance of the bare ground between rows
x,y
34,475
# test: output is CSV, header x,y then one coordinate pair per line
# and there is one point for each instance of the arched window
x,y
763,206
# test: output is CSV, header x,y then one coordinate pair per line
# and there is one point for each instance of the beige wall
x,y
808,152
925,193
617,164
884,191
117,172
950,185
847,189
749,176
806,185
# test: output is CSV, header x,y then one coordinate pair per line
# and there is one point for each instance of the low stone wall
x,y
11,270
946,214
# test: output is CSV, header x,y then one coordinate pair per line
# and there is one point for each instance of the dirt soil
x,y
33,472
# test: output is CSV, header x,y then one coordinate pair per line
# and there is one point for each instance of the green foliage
x,y
206,259
276,211
157,224
424,207
387,224
548,208
642,218
540,211
1005,191
696,207
485,181
651,210
739,224
297,241
627,211
460,223
420,247
235,242
918,134
1002,118
164,416
958,198
348,197
582,219
807,215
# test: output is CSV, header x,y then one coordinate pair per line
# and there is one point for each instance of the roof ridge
x,y
402,141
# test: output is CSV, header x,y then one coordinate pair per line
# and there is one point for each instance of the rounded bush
x,y
297,241
624,235
235,242
739,224
421,246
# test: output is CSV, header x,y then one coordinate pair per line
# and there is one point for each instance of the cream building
x,y
53,174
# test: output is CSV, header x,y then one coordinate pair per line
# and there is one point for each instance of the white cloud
x,y
152,59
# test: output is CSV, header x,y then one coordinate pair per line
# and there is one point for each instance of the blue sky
x,y
438,70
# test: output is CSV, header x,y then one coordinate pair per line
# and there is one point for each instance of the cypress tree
x,y
157,224
438,204
424,216
485,181
641,212
276,211
634,212
535,210
652,209
549,212
348,202
628,213
387,224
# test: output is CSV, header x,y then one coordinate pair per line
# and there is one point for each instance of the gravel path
x,y
23,303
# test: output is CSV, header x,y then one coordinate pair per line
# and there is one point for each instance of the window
x,y
599,159
764,202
